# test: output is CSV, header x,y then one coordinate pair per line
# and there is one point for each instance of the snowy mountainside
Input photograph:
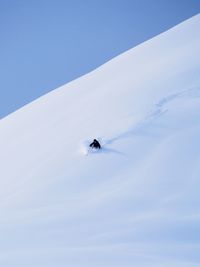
x,y
136,201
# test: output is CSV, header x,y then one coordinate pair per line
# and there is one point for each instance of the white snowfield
x,y
136,202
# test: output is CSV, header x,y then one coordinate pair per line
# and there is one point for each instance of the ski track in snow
x,y
158,110
160,106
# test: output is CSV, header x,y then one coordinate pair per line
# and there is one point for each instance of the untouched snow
x,y
134,203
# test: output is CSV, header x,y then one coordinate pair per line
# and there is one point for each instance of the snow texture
x,y
136,201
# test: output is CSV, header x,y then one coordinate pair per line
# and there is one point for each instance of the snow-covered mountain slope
x,y
135,202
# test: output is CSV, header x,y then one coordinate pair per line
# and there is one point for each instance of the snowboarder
x,y
95,144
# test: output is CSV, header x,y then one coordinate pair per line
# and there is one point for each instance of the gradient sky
x,y
47,43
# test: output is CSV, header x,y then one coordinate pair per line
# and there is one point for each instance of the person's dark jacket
x,y
95,144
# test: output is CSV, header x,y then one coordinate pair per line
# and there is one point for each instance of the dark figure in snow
x,y
95,144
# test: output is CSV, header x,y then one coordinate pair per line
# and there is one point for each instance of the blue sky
x,y
47,43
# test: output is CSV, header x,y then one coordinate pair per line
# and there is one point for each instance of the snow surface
x,y
135,202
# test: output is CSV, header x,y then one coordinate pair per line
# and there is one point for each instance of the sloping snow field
x,y
136,202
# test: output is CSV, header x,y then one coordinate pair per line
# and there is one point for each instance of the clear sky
x,y
47,43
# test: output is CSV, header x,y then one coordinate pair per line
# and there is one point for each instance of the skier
x,y
95,144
